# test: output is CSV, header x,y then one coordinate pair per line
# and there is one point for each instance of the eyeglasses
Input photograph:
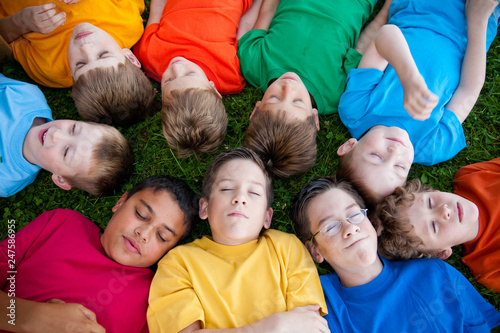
x,y
333,227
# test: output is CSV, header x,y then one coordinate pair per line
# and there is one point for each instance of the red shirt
x,y
201,31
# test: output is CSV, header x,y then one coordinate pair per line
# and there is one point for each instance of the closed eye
x,y
162,239
400,166
103,53
377,155
139,215
434,229
66,151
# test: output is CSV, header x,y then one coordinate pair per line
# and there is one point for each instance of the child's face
x,y
288,93
442,219
382,158
182,74
143,228
237,207
354,246
63,147
91,47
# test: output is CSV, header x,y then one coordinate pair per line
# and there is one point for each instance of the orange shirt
x,y
45,57
201,31
480,183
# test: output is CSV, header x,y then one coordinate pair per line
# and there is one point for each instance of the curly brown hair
x,y
396,240
287,146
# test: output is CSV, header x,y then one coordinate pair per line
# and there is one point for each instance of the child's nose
x,y
239,198
348,229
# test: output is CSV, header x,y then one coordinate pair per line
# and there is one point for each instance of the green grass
x,y
482,129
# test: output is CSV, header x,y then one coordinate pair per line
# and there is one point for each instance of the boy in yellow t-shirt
x,y
237,277
57,47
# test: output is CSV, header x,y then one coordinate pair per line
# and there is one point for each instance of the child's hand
x,y
299,319
418,100
57,316
43,19
478,11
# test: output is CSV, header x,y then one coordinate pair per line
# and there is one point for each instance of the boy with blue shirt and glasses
x,y
92,157
419,96
368,293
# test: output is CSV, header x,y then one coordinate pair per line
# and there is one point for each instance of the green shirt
x,y
314,39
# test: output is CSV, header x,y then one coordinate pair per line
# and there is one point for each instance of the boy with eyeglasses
x,y
368,293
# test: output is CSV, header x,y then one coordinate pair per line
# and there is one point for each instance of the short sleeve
x,y
173,303
304,286
354,101
442,144
250,54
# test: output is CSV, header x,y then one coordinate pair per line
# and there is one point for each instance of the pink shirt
x,y
59,255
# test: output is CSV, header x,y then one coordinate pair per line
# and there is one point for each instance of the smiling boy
x,y
71,276
211,282
368,293
417,221
57,49
88,156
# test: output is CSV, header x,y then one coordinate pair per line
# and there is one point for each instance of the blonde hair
x,y
396,240
287,146
193,120
112,163
121,96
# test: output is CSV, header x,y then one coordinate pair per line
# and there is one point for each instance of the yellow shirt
x,y
45,57
232,286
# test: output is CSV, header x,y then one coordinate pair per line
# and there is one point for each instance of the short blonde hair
x,y
193,120
287,146
396,240
112,164
120,97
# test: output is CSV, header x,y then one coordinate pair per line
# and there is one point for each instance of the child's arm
x,y
50,317
300,319
474,63
266,14
247,20
43,19
390,46
155,11
369,32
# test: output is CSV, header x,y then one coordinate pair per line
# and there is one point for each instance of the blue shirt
x,y
419,295
436,33
20,104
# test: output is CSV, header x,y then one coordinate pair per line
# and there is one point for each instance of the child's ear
x,y
314,252
346,146
120,202
255,108
445,254
269,217
212,84
61,182
316,118
203,212
131,56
